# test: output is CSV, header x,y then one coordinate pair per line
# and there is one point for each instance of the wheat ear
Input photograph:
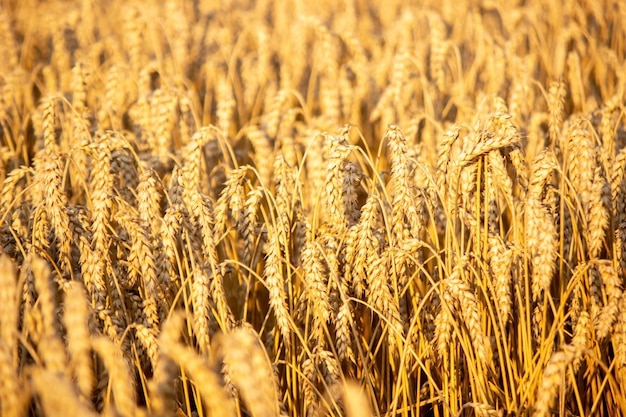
x,y
248,367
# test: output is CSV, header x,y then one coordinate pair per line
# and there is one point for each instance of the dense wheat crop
x,y
289,208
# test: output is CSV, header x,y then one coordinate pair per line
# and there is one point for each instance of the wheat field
x,y
334,208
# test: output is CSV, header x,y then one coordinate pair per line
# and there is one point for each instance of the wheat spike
x,y
120,380
553,378
250,370
57,395
275,282
76,320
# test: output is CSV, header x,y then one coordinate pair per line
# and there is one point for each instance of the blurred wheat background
x,y
333,208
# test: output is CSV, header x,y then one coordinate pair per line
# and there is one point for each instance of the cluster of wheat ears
x,y
278,208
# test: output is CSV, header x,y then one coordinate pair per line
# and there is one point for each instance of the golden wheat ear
x,y
248,367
